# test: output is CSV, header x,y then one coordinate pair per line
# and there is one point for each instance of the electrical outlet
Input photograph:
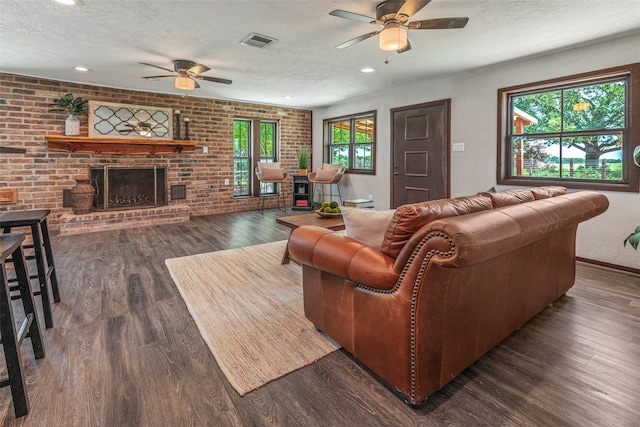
x,y
370,197
205,150
226,181
457,146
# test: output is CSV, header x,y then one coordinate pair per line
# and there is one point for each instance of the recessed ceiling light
x,y
367,70
287,97
81,68
67,2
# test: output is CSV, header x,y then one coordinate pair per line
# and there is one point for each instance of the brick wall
x,y
41,175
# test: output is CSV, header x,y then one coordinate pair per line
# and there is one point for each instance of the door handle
x,y
396,174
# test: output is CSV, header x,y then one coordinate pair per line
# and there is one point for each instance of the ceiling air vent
x,y
257,40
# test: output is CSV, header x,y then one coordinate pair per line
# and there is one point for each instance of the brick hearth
x,y
102,221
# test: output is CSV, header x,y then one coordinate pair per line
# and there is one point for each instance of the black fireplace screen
x,y
119,188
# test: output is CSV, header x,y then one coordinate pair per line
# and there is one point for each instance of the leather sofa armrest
x,y
342,256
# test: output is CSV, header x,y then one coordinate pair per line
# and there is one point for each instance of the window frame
x,y
327,137
631,135
254,134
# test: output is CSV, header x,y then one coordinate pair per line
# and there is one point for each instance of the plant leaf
x,y
633,238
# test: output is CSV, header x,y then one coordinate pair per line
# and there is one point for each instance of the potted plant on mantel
x,y
303,160
74,107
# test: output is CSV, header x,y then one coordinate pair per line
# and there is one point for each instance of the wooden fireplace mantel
x,y
83,144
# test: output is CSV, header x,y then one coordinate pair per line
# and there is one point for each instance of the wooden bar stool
x,y
11,246
37,220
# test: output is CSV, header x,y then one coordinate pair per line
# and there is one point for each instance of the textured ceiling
x,y
45,39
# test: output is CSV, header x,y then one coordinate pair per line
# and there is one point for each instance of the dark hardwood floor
x,y
124,351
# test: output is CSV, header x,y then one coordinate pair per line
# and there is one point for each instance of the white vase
x,y
72,126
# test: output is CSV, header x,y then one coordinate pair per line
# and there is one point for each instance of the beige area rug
x,y
248,308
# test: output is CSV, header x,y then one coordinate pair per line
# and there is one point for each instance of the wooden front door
x,y
420,162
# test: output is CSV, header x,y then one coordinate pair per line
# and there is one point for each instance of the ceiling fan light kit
x,y
185,83
393,37
185,73
392,16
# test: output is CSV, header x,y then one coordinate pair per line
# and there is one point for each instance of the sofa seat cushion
x,y
410,218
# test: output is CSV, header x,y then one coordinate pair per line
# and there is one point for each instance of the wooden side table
x,y
11,246
37,220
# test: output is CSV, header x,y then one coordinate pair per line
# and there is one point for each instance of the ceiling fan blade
x,y
197,85
438,24
213,79
410,8
155,66
198,69
357,40
406,48
352,16
156,77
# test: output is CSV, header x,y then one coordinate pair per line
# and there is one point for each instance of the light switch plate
x,y
459,146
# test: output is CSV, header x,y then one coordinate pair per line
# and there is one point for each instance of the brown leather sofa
x,y
452,279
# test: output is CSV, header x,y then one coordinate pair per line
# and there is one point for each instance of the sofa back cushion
x,y
546,192
410,218
509,197
517,196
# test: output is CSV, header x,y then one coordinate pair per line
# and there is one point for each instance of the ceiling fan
x,y
185,72
392,16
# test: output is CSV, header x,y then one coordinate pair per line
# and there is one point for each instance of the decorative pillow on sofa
x,y
366,225
325,174
272,174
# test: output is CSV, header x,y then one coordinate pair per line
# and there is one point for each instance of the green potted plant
x,y
633,238
74,107
303,160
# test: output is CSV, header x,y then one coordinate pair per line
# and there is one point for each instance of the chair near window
x,y
330,174
271,173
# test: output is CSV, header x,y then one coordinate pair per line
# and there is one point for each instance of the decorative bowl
x,y
328,215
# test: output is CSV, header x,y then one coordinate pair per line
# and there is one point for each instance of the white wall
x,y
474,122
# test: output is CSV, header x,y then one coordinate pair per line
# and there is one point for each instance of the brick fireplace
x,y
124,188
40,173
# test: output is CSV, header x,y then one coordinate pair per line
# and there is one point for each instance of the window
x,y
576,132
350,141
253,141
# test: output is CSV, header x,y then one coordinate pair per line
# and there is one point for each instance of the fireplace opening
x,y
119,188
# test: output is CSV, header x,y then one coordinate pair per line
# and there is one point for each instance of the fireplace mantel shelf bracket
x,y
83,144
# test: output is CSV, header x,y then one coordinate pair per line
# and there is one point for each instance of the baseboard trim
x,y
608,265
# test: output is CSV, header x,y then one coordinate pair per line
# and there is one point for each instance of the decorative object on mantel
x,y
186,129
81,144
129,121
74,107
82,195
177,132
